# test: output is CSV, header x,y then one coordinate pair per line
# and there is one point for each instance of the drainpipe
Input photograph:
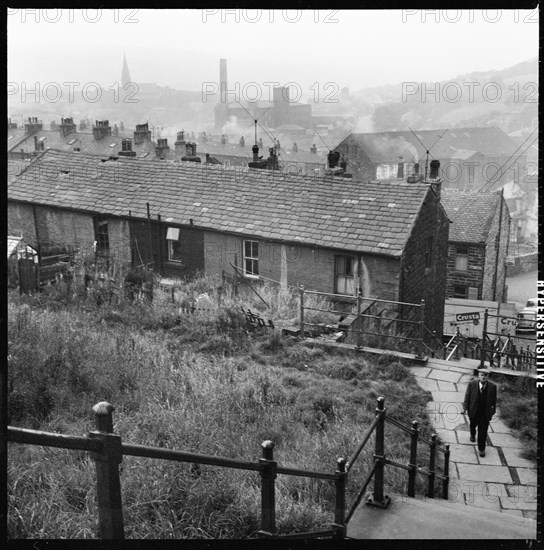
x,y
497,249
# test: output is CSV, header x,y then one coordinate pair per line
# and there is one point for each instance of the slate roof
x,y
235,152
109,145
471,214
386,147
332,213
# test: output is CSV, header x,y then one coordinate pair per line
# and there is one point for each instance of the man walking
x,y
480,402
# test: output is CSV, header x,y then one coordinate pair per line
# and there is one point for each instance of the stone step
x,y
422,518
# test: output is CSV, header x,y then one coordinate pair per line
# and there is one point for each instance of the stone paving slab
x,y
527,492
517,504
526,477
491,457
448,396
461,387
517,513
446,386
480,472
447,436
498,426
446,376
486,504
529,514
420,372
463,453
491,490
426,384
504,440
513,458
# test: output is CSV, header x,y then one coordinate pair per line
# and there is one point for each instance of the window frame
x,y
456,293
170,244
101,237
459,255
254,259
341,271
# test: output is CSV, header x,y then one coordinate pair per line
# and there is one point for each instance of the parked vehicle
x,y
527,316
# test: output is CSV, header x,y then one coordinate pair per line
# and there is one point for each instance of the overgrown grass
x,y
197,382
517,401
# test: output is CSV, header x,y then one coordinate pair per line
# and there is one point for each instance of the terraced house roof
x,y
471,214
333,213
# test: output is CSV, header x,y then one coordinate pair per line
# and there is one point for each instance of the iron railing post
x,y
268,496
446,480
340,506
301,293
484,338
432,466
413,460
377,498
108,484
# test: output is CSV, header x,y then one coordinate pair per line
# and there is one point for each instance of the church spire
x,y
125,75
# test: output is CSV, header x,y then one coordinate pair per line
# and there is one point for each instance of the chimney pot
x,y
435,167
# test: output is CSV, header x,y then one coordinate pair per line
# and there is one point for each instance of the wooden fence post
x,y
340,507
432,465
378,498
421,328
413,460
446,480
108,484
268,497
301,292
359,320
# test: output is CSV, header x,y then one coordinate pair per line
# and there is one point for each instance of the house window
x,y
461,258
174,246
101,237
344,269
459,291
429,252
400,170
251,258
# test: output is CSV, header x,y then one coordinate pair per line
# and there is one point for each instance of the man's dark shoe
x,y
482,453
473,439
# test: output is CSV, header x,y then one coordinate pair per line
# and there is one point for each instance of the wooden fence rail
x,y
107,450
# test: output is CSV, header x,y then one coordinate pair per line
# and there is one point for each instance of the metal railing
x,y
501,351
403,326
107,450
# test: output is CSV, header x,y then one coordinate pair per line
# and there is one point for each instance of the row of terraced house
x,y
403,239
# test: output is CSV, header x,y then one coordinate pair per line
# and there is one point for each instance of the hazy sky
x,y
181,48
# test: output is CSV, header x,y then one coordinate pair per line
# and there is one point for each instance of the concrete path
x,y
502,481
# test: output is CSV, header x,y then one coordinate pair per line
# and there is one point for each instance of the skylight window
x,y
112,145
72,141
143,155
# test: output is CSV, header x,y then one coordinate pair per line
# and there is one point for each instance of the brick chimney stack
x,y
101,129
11,125
33,125
190,153
161,147
142,133
67,127
180,143
126,148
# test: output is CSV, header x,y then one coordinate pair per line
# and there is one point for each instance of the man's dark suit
x,y
481,407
